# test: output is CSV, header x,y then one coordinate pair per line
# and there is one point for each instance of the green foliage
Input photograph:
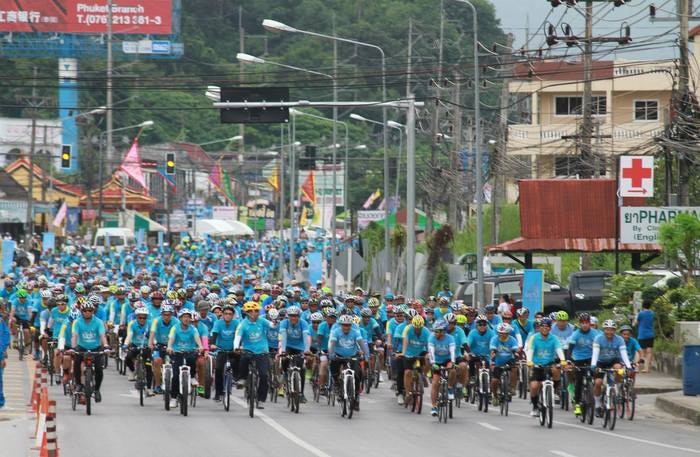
x,y
619,289
465,240
666,345
664,309
439,241
442,277
686,302
680,240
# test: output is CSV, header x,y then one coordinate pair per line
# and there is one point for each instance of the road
x,y
119,426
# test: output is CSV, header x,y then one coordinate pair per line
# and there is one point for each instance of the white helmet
x,y
504,328
142,311
346,319
46,293
273,314
145,290
609,324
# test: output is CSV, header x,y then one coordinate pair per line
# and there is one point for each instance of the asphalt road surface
x,y
119,426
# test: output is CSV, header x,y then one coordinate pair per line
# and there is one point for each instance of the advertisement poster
x,y
533,291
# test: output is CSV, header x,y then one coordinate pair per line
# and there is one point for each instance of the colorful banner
x,y
48,241
533,291
8,254
160,240
315,266
72,221
138,17
132,165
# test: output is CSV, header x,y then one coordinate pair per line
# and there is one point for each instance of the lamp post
x,y
477,165
276,26
140,126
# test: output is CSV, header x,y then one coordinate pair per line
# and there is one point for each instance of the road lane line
x,y
623,437
283,431
490,427
562,453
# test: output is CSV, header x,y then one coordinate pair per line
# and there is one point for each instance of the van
x,y
113,237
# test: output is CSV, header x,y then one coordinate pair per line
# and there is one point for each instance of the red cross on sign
x,y
636,176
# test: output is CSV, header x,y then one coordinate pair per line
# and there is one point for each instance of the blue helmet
x,y
439,325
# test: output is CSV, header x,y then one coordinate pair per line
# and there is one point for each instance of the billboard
x,y
86,16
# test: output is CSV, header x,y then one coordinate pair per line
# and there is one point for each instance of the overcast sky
x,y
515,15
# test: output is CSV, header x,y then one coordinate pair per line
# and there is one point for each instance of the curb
x,y
677,408
655,390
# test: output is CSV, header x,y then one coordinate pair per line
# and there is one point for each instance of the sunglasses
x,y
481,325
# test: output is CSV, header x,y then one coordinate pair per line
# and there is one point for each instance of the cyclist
x,y
541,351
88,334
479,345
609,351
581,348
20,309
323,336
222,339
632,345
503,347
394,345
183,339
523,325
59,315
346,342
137,335
294,339
415,347
461,347
251,335
441,353
158,339
562,329
443,307
491,316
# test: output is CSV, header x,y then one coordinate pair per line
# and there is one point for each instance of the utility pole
x,y
499,152
454,155
408,64
241,47
683,89
109,116
587,124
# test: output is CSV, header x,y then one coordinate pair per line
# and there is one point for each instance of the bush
x,y
689,308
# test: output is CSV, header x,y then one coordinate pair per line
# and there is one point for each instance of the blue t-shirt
x,y
582,344
57,319
161,330
273,337
441,347
479,343
254,335
632,348
225,333
183,339
460,338
22,310
524,329
544,350
417,343
294,336
563,335
645,324
89,333
324,332
397,337
504,349
139,333
609,349
346,344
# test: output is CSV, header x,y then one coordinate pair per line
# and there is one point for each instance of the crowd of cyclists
x,y
217,302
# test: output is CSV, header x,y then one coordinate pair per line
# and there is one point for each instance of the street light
x,y
477,165
276,26
141,126
223,140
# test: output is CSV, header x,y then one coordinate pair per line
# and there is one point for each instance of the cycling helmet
x,y
96,300
489,309
481,318
504,328
461,319
133,296
251,306
226,307
215,306
60,298
74,314
388,296
293,311
316,317
411,313
373,303
9,283
346,319
553,315
594,320
331,312
366,312
443,301
184,311
562,316
79,288
46,293
584,317
120,290
156,295
87,305
357,319
21,293
450,318
165,308
141,311
326,303
609,324
522,311
545,322
273,314
418,322
145,290
625,327
398,310
182,293
439,325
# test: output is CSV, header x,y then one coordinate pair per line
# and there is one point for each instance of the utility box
x,y
687,332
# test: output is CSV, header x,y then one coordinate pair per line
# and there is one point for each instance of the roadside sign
x,y
636,176
640,224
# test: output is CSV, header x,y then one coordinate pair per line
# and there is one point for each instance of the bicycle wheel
x,y
485,386
20,343
472,393
631,401
140,379
525,383
613,407
88,389
352,397
207,377
166,389
73,398
296,380
193,397
226,397
252,393
377,371
49,366
590,406
541,407
184,392
606,410
367,381
620,405
314,384
550,407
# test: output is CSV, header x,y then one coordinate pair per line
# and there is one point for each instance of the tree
x,y
680,240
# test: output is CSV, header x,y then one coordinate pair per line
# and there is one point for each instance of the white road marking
x,y
283,431
562,454
491,427
623,437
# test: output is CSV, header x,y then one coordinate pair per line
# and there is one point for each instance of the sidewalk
x,y
670,396
656,383
16,420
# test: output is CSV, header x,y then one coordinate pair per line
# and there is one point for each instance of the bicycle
x,y
20,344
444,404
523,379
347,398
609,399
377,365
228,380
253,381
315,379
587,401
166,380
628,397
417,389
85,394
330,386
49,360
208,375
188,396
483,385
273,381
140,371
564,399
121,357
293,381
546,397
504,395
367,377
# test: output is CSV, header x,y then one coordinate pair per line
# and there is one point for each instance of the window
x,y
596,283
572,106
646,110
571,165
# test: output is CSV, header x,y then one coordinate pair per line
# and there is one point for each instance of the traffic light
x,y
65,156
170,163
308,160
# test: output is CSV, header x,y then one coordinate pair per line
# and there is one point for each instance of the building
x,y
16,138
630,108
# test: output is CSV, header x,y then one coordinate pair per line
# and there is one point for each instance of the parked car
x,y
656,277
586,290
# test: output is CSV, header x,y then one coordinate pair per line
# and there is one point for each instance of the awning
x,y
15,212
137,221
521,244
218,227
